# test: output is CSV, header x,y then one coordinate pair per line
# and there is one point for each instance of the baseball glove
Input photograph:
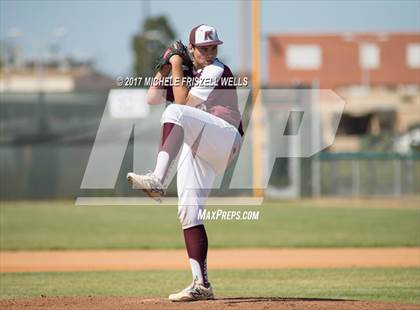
x,y
176,48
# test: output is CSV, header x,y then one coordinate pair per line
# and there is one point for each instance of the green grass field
x,y
61,225
394,284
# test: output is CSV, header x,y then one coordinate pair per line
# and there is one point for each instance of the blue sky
x,y
102,30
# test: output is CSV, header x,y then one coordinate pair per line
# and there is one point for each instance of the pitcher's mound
x,y
101,303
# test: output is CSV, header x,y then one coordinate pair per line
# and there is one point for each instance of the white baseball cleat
x,y
196,291
149,183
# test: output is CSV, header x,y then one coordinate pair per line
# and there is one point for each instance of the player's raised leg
x,y
201,131
153,183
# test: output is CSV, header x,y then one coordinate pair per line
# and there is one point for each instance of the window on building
x,y
354,125
413,55
369,56
303,57
370,123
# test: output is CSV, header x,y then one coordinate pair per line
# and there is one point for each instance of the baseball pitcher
x,y
204,125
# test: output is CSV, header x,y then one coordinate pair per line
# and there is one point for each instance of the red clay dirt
x,y
217,259
248,303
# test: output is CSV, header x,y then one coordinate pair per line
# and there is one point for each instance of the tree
x,y
156,35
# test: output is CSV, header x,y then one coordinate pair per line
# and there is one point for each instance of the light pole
x,y
12,54
43,123
13,34
58,33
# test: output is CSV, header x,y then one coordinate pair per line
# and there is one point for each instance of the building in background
x,y
49,115
378,75
66,75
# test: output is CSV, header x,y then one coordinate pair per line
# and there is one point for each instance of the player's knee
x,y
189,216
172,113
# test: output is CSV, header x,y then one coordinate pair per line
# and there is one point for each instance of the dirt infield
x,y
249,303
217,259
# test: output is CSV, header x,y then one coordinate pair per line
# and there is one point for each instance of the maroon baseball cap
x,y
204,35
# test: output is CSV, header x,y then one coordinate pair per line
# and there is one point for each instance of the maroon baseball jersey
x,y
214,85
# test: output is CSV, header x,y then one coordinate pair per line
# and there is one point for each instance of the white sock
x,y
162,165
196,271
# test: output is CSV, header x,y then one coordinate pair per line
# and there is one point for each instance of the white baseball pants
x,y
209,144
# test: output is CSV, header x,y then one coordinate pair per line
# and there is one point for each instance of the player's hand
x,y
177,49
165,70
176,60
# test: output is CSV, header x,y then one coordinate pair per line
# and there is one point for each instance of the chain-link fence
x,y
369,174
46,140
